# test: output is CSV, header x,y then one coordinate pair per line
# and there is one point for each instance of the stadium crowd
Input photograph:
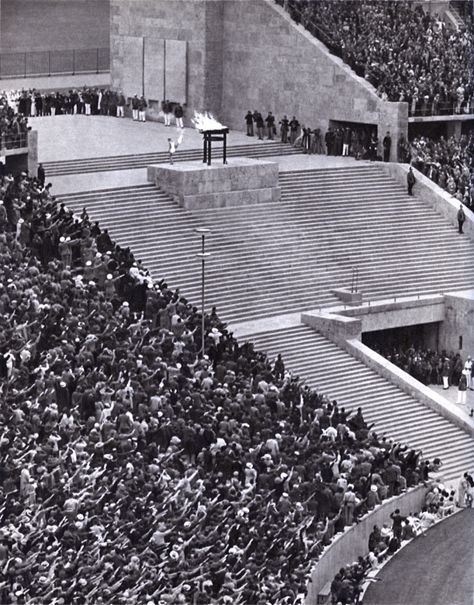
x,y
88,101
448,162
134,468
406,53
13,127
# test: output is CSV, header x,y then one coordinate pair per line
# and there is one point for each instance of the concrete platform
x,y
76,137
196,185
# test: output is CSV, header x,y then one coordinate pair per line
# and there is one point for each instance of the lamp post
x,y
203,255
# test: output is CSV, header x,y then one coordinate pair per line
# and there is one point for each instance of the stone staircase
x,y
332,371
274,259
262,149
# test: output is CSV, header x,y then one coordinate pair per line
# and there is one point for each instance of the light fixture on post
x,y
203,255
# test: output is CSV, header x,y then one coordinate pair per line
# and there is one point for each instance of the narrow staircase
x,y
262,149
332,371
286,257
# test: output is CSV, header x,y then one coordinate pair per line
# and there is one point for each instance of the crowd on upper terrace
x,y
133,468
13,127
429,366
448,161
406,53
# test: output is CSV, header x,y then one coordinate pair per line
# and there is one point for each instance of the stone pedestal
x,y
239,182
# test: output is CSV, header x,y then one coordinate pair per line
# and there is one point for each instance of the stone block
x,y
196,185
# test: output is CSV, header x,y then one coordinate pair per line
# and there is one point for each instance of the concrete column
x,y
32,152
394,118
454,128
458,323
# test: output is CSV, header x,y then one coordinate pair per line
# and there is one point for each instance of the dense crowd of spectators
x,y
89,101
13,127
448,162
429,366
134,468
406,53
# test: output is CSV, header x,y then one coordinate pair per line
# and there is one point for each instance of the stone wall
x,y
41,25
192,25
458,321
243,55
271,63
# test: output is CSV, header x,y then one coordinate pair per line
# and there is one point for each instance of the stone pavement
x,y
73,137
451,395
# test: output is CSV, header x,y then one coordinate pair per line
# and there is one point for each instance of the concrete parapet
x,y
239,182
353,542
337,328
439,199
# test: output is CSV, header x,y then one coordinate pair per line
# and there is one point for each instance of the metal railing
x,y
13,141
443,109
54,62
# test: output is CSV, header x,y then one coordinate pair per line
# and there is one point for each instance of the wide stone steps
x,y
334,372
287,257
127,162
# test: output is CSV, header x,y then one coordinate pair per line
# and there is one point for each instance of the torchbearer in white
x,y
173,145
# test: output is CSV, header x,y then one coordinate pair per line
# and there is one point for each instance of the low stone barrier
x,y
353,543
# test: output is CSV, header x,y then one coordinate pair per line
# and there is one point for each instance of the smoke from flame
x,y
206,121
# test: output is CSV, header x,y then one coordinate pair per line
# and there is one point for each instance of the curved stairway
x,y
335,373
274,259
262,149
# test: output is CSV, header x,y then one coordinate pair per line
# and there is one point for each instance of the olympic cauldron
x,y
211,131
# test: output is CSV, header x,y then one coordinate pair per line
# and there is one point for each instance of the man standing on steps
x,y
461,218
410,181
249,123
284,128
270,122
387,144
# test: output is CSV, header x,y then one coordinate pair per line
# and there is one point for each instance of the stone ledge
x,y
242,181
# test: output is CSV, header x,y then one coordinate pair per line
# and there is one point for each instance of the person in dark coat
x,y
249,123
270,122
41,175
387,144
284,128
461,216
259,123
410,181
294,127
329,140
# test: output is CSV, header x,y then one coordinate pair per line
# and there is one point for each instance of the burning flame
x,y
206,121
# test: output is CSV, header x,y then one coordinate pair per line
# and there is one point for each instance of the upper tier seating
x,y
448,162
407,54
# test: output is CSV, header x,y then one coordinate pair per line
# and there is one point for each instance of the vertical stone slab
x,y
154,69
32,160
458,322
176,70
132,80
